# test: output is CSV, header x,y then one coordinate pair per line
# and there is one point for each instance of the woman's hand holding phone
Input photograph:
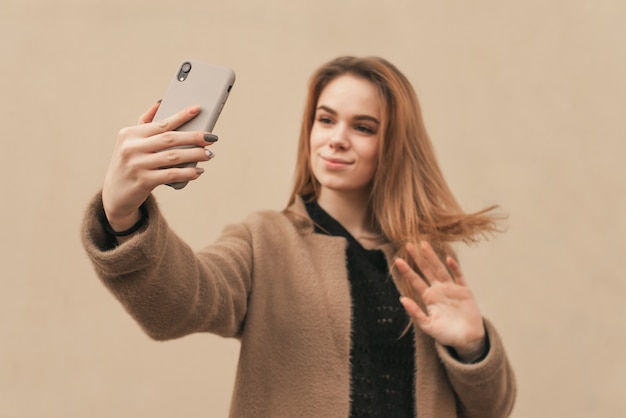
x,y
140,154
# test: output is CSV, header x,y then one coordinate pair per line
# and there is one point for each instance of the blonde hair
x,y
410,200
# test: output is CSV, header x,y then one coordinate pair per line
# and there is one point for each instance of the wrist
x,y
473,352
124,226
123,223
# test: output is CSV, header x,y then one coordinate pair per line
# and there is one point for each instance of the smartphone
x,y
197,83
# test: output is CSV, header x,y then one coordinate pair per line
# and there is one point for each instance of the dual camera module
x,y
184,71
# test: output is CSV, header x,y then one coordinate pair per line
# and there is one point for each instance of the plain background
x,y
524,102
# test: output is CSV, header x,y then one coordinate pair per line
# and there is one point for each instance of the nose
x,y
339,138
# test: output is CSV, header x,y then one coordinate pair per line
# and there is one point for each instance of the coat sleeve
x,y
170,290
485,389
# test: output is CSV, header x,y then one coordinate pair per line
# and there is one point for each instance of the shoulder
x,y
293,218
267,229
270,224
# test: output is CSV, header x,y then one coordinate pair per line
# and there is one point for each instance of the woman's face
x,y
345,134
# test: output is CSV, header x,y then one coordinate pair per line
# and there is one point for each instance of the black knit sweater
x,y
382,359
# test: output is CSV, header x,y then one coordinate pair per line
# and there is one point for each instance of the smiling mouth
x,y
335,164
335,160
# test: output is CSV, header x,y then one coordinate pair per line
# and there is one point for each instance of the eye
x,y
324,120
365,129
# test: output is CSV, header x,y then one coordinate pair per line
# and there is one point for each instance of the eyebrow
x,y
357,117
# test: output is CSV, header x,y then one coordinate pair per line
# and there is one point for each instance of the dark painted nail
x,y
210,137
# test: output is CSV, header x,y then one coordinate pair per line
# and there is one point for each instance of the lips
x,y
334,163
333,160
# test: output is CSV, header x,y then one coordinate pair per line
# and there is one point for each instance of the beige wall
x,y
524,101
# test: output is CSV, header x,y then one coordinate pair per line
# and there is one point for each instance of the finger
x,y
409,274
434,262
149,115
172,122
169,123
177,139
168,140
173,157
456,271
430,264
414,311
173,175
415,255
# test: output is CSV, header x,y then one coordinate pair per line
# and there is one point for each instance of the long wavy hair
x,y
409,200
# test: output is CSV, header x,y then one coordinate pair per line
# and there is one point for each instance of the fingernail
x,y
210,138
209,153
199,170
159,101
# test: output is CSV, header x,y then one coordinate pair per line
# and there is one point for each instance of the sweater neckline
x,y
324,223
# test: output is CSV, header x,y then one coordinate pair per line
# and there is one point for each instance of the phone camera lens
x,y
184,71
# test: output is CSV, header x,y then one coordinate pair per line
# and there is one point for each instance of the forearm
x,y
487,388
162,283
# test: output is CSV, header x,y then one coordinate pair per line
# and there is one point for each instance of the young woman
x,y
314,292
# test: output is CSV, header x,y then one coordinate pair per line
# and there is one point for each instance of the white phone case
x,y
197,83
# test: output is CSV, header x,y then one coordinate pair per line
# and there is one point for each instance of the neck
x,y
350,210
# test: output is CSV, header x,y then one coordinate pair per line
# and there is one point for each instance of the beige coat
x,y
283,291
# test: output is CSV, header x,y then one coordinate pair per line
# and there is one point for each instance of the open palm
x,y
449,312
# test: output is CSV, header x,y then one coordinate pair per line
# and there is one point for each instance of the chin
x,y
342,188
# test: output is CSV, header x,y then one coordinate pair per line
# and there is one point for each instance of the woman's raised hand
x,y
452,316
140,154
